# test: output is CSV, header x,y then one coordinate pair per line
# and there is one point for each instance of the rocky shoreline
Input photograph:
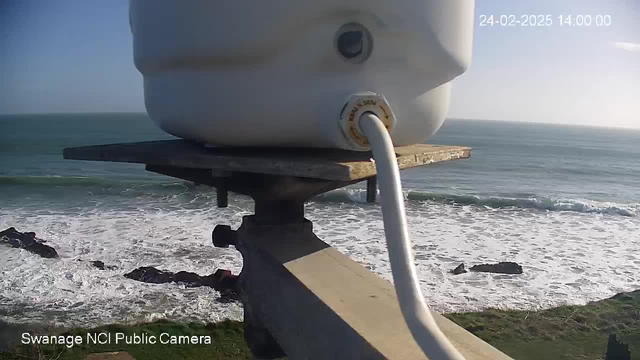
x,y
27,241
502,328
221,280
503,267
564,332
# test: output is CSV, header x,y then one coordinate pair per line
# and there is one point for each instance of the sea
x,y
562,201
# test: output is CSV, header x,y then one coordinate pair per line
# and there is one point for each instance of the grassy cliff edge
x,y
565,332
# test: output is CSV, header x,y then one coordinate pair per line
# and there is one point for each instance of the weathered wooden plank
x,y
327,164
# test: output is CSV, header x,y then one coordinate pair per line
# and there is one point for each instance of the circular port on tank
x,y
354,42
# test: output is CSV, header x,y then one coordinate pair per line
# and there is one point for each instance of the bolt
x,y
223,236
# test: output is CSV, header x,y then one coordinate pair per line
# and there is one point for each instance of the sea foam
x,y
568,258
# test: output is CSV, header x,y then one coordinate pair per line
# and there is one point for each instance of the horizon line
x,y
448,118
547,123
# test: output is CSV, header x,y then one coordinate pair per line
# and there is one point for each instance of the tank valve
x,y
356,106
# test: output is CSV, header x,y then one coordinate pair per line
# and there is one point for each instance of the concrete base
x,y
319,304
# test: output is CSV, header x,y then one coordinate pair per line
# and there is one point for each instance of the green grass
x,y
227,342
566,332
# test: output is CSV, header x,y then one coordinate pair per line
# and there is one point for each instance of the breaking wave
x,y
538,202
342,195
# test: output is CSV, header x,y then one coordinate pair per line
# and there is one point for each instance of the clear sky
x,y
76,56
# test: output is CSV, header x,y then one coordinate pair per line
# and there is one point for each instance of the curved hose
x,y
415,311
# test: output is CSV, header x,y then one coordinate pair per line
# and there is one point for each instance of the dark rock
x,y
228,296
505,267
227,287
188,278
459,270
151,275
222,280
27,241
227,284
100,265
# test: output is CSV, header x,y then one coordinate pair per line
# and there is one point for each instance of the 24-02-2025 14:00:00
x,y
510,20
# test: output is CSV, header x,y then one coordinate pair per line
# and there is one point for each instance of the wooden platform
x,y
324,164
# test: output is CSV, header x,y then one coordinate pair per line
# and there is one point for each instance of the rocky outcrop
x,y
27,241
505,267
227,284
222,280
152,275
459,270
100,265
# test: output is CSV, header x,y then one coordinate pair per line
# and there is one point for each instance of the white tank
x,y
279,72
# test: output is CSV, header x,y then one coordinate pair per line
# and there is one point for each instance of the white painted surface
x,y
268,73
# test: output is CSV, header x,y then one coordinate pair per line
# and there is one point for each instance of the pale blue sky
x,y
76,56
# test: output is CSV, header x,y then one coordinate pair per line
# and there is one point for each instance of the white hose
x,y
415,311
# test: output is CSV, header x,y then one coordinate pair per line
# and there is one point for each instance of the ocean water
x,y
562,201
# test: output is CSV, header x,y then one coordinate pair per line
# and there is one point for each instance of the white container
x,y
271,73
